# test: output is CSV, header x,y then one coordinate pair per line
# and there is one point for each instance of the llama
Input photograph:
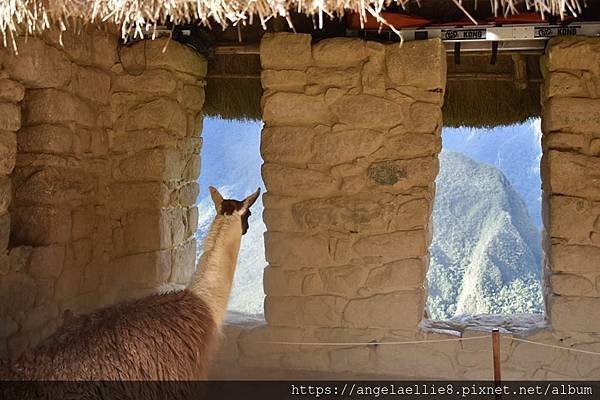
x,y
161,337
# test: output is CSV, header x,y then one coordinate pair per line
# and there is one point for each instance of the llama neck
x,y
214,275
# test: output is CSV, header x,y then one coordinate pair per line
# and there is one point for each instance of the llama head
x,y
236,208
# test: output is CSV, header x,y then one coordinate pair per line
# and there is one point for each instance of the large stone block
x,y
4,233
10,117
421,63
574,174
297,250
90,83
56,106
575,314
45,138
285,51
285,80
38,64
564,84
11,91
8,152
580,115
403,174
129,196
304,311
155,81
40,225
54,185
46,262
183,262
572,285
283,108
402,144
337,52
394,276
154,164
17,293
148,230
370,111
574,53
92,45
345,144
287,144
399,310
393,246
160,113
574,259
334,77
572,218
281,180
163,53
142,269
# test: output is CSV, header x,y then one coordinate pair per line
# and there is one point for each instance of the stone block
x,y
425,117
146,230
398,310
393,246
45,138
90,83
153,164
17,293
345,144
297,250
83,222
285,51
574,259
565,84
56,107
283,108
572,218
343,281
281,180
11,91
564,141
334,77
192,97
574,53
575,314
163,53
339,52
572,285
129,196
154,81
351,359
371,112
5,194
287,144
394,276
10,117
38,65
46,262
40,225
39,317
420,63
143,269
304,311
579,115
402,144
574,175
4,232
8,152
91,46
285,80
54,185
160,113
183,262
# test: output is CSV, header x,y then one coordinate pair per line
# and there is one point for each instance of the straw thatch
x,y
138,16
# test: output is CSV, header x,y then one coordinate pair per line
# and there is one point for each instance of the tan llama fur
x,y
160,337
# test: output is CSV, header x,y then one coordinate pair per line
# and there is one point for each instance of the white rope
x,y
373,343
556,347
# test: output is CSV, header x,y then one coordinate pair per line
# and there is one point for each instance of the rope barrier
x,y
555,347
425,342
373,343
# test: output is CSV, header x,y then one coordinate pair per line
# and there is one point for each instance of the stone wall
x,y
104,187
351,137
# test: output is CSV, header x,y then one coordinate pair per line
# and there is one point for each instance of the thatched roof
x,y
478,94
135,17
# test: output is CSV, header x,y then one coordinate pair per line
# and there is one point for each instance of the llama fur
x,y
167,336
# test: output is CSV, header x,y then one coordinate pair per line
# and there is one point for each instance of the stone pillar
x,y
104,188
350,143
11,282
154,150
571,182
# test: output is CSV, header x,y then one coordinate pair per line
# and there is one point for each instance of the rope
x,y
373,343
556,347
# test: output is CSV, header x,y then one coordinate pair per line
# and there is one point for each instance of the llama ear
x,y
216,198
248,201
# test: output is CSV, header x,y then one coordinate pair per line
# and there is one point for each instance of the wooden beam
x,y
238,49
